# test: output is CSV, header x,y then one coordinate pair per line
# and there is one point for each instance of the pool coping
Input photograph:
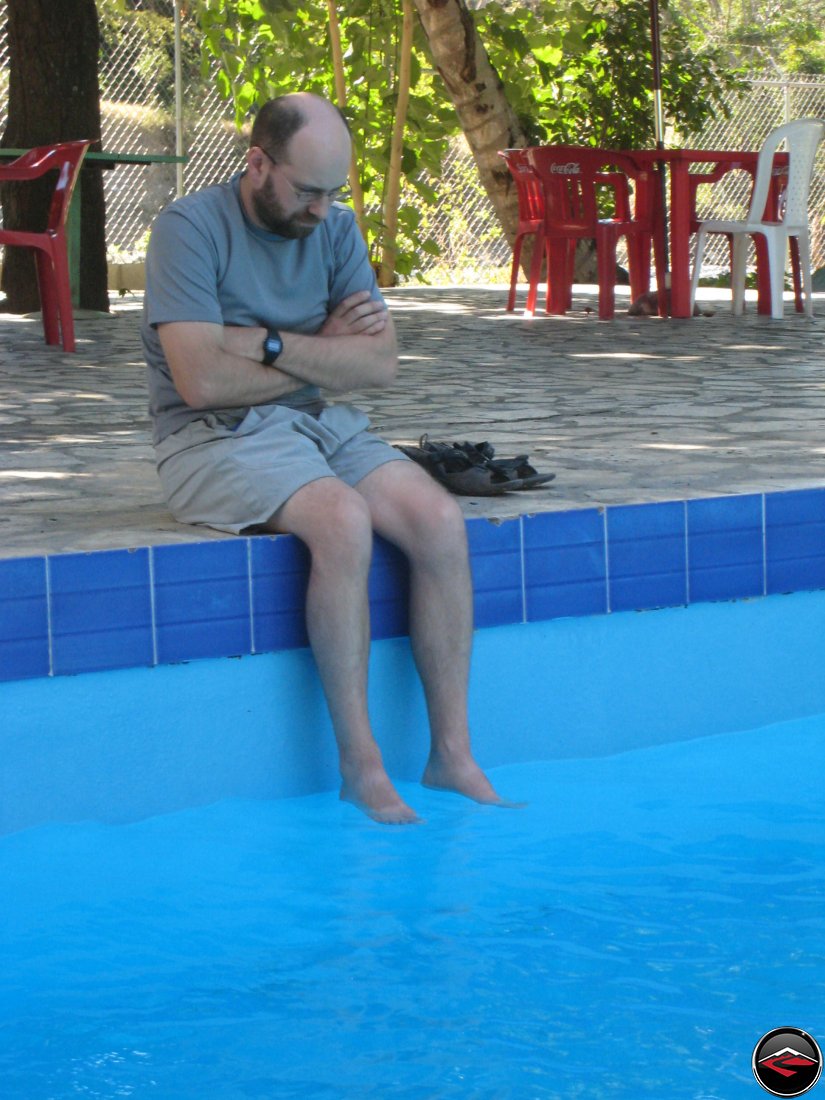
x,y
70,613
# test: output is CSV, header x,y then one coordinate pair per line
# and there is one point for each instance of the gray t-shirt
x,y
207,262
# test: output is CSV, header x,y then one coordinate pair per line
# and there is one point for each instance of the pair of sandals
x,y
472,470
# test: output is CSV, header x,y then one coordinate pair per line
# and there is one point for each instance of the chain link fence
x,y
138,116
768,104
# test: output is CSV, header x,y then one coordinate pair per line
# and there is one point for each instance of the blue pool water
x,y
631,933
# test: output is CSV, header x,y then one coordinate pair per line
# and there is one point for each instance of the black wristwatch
x,y
273,346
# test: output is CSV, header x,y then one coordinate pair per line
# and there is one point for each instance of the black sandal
x,y
462,473
517,468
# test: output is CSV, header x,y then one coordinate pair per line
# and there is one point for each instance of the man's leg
x,y
335,524
412,511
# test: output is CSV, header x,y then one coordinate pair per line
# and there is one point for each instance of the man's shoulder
x,y
341,232
206,208
340,221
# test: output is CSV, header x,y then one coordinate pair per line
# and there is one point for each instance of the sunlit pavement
x,y
633,410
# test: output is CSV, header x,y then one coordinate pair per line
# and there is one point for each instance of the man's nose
x,y
320,206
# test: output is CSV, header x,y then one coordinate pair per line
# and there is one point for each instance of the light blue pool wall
x,y
119,700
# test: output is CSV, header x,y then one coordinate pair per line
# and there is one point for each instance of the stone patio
x,y
628,411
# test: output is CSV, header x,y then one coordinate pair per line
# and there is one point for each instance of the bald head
x,y
281,120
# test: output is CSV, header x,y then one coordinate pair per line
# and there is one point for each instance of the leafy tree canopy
x,y
270,47
582,73
573,71
785,36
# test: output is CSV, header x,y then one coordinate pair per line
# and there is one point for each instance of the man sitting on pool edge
x,y
259,293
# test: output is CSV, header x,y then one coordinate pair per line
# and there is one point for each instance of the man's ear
x,y
256,163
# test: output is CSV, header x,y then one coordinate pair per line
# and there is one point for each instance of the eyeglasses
x,y
307,195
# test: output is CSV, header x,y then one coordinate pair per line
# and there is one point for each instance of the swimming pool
x,y
631,933
194,913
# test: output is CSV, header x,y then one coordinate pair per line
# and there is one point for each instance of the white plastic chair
x,y
802,138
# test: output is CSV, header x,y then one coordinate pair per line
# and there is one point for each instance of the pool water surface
x,y
631,932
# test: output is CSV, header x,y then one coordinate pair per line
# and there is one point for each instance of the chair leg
x,y
796,272
606,266
777,255
60,260
47,285
535,274
547,281
559,266
739,253
660,267
511,299
763,275
638,262
803,249
570,273
697,265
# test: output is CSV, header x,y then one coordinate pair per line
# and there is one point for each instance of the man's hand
x,y
357,315
354,349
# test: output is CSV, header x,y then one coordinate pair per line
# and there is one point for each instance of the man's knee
x,y
332,520
346,519
439,523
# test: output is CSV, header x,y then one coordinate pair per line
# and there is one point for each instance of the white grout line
x,y
523,570
607,608
49,613
251,590
152,604
764,543
687,552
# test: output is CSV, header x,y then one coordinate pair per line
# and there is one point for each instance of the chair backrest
x,y
802,138
67,158
582,187
528,184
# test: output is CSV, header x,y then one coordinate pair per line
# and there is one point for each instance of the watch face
x,y
273,346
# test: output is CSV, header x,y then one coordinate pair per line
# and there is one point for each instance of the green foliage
x,y
270,47
769,35
573,71
583,73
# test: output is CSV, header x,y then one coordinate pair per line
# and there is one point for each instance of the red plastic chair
x,y
530,214
587,196
51,252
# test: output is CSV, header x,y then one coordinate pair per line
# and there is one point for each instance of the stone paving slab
x,y
628,411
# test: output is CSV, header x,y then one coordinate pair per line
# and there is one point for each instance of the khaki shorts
x,y
232,472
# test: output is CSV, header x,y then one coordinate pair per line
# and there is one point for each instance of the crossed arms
x,y
217,366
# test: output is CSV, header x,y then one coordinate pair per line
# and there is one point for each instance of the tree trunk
x,y
53,96
487,119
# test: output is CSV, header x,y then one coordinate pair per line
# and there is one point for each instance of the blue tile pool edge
x,y
110,609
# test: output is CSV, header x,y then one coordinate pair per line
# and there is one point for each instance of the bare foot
x,y
372,792
465,777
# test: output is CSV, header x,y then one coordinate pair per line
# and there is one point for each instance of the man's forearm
x,y
220,367
341,363
338,362
216,366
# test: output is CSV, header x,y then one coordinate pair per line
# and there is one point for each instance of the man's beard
x,y
271,214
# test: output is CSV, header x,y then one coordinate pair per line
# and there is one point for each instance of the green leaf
x,y
224,86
